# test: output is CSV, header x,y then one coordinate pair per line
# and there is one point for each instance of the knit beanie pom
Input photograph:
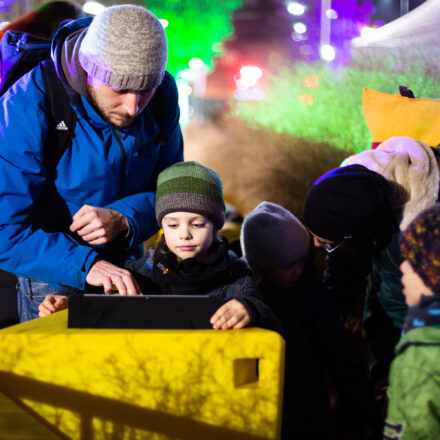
x,y
125,47
271,236
420,245
190,187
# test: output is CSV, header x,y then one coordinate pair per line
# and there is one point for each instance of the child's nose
x,y
185,233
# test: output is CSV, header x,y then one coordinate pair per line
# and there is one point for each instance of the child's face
x,y
413,285
187,234
285,277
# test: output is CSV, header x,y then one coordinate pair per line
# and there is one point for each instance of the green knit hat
x,y
190,187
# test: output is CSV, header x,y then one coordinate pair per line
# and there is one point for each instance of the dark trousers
x,y
8,299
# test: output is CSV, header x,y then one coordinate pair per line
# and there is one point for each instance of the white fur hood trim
x,y
410,164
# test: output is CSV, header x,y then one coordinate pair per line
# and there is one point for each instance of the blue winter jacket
x,y
104,167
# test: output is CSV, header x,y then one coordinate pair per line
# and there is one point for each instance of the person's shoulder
x,y
238,266
167,81
28,89
417,358
310,282
167,91
165,99
148,258
143,265
418,352
421,337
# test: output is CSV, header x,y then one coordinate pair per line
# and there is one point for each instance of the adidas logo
x,y
62,126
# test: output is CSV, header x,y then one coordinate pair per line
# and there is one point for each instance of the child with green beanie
x,y
414,391
191,258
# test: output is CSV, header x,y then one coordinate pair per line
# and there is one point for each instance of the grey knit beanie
x,y
190,187
271,236
125,47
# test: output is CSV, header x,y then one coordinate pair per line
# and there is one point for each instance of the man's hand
x,y
52,304
98,225
233,314
103,273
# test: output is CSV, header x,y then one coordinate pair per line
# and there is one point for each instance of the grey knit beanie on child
x,y
125,47
271,236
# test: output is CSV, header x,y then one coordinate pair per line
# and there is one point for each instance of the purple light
x,y
345,18
4,4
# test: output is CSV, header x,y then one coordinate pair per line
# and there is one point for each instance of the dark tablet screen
x,y
142,312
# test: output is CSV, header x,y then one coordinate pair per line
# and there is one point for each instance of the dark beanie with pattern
x,y
349,201
125,47
190,187
420,245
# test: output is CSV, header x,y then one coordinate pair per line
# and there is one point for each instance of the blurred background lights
x,y
195,63
251,71
217,47
300,28
249,76
299,37
163,22
368,32
305,99
184,91
311,81
93,8
327,52
331,14
188,75
256,94
296,8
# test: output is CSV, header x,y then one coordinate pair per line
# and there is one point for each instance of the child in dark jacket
x,y
276,246
191,258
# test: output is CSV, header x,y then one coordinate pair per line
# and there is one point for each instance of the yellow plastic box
x,y
394,115
144,384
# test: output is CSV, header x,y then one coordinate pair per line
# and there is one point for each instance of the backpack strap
x,y
19,53
61,116
157,105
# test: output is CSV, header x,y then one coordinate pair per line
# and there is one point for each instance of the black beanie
x,y
349,201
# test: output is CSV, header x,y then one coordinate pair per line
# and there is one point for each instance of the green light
x,y
194,26
318,102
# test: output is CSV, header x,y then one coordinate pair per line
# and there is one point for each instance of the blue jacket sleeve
x,y
24,249
139,208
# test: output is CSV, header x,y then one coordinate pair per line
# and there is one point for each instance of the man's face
x,y
118,107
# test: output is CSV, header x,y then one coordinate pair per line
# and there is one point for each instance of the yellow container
x,y
145,384
394,115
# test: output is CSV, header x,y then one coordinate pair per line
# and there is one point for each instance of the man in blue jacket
x,y
64,226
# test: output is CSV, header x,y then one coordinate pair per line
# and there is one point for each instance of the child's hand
x,y
52,304
233,314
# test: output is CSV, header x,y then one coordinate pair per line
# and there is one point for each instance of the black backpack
x,y
19,53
